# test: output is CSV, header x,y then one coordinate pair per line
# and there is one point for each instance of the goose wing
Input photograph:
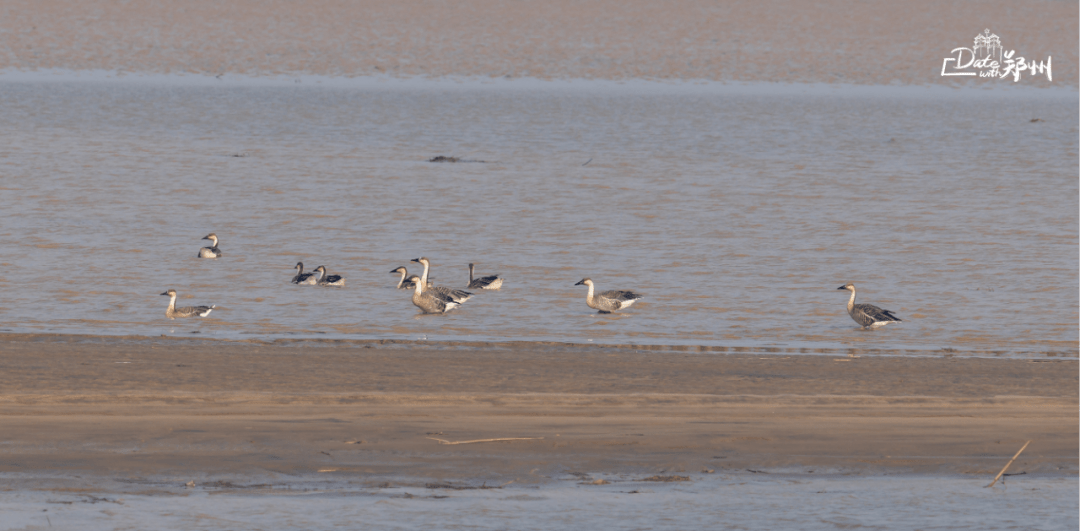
x,y
201,311
874,314
492,282
432,303
455,295
620,296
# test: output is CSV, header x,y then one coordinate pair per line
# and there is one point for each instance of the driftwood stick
x,y
1007,464
444,441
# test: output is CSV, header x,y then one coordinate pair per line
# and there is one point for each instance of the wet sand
x,y
375,412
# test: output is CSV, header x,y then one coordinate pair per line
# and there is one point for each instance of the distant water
x,y
737,210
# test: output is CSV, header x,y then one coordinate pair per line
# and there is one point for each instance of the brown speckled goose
x,y
608,301
867,315
456,294
212,251
328,280
430,301
188,311
405,282
489,282
309,279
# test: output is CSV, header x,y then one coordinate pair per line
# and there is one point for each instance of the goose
x,y
608,301
188,311
212,251
491,282
867,315
456,294
403,282
431,301
328,280
301,277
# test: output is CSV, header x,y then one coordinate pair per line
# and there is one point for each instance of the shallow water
x,y
706,502
736,209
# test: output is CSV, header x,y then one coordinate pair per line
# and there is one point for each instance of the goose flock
x,y
439,299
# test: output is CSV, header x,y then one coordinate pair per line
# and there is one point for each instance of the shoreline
x,y
598,86
851,352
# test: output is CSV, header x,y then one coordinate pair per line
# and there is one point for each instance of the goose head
x,y
212,237
170,293
585,281
849,286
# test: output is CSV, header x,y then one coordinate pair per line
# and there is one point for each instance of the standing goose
x,y
212,251
301,277
188,311
456,294
608,301
867,315
430,301
491,282
328,280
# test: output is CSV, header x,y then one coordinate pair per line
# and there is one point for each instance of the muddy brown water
x,y
737,210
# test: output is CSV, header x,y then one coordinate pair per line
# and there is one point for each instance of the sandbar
x,y
379,412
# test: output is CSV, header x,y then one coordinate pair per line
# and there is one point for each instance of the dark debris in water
x,y
444,158
451,486
408,496
230,485
667,479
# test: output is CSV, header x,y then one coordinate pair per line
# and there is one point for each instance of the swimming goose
x,y
608,301
456,294
188,311
328,280
301,277
403,282
212,251
491,282
431,301
867,314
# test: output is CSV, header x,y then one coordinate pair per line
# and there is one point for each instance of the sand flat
x,y
375,412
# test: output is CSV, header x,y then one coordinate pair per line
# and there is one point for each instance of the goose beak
x,y
417,260
580,282
166,293
842,287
